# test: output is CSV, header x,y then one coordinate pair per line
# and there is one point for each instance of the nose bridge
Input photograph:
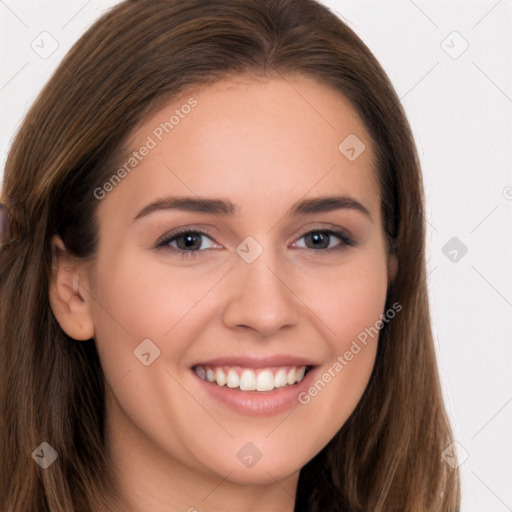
x,y
260,297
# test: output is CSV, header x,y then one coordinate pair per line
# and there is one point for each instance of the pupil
x,y
191,241
319,240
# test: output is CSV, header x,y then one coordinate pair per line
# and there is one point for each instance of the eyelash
x,y
164,241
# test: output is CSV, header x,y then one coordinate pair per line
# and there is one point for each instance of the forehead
x,y
248,137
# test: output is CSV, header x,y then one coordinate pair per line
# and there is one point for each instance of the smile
x,y
249,379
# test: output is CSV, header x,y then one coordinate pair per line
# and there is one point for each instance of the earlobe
x,y
68,299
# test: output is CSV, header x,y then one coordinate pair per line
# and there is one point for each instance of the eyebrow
x,y
226,207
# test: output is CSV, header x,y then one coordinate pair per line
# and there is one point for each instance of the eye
x,y
194,243
325,239
187,242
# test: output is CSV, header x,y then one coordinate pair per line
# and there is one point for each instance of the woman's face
x,y
243,244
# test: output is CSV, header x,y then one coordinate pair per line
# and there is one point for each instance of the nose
x,y
261,297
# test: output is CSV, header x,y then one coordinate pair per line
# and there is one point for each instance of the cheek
x,y
349,298
350,312
135,301
356,306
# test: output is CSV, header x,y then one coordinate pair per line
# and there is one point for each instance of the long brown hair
x,y
132,61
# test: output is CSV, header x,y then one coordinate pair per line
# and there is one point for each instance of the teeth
x,y
220,377
290,378
247,379
233,379
300,373
280,379
265,381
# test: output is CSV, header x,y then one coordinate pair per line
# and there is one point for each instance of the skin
x,y
263,145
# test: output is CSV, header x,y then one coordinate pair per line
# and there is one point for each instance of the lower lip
x,y
258,403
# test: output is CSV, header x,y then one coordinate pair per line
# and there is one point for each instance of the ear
x,y
69,299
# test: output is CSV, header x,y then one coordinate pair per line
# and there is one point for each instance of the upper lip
x,y
258,361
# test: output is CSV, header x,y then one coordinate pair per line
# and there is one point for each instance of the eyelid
x,y
167,237
345,234
345,238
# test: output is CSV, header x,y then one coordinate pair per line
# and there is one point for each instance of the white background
x,y
460,110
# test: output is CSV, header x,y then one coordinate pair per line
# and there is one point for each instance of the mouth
x,y
255,385
246,379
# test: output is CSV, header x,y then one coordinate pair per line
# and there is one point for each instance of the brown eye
x,y
189,241
325,239
317,240
186,242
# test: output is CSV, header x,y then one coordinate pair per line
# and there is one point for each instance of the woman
x,y
212,281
